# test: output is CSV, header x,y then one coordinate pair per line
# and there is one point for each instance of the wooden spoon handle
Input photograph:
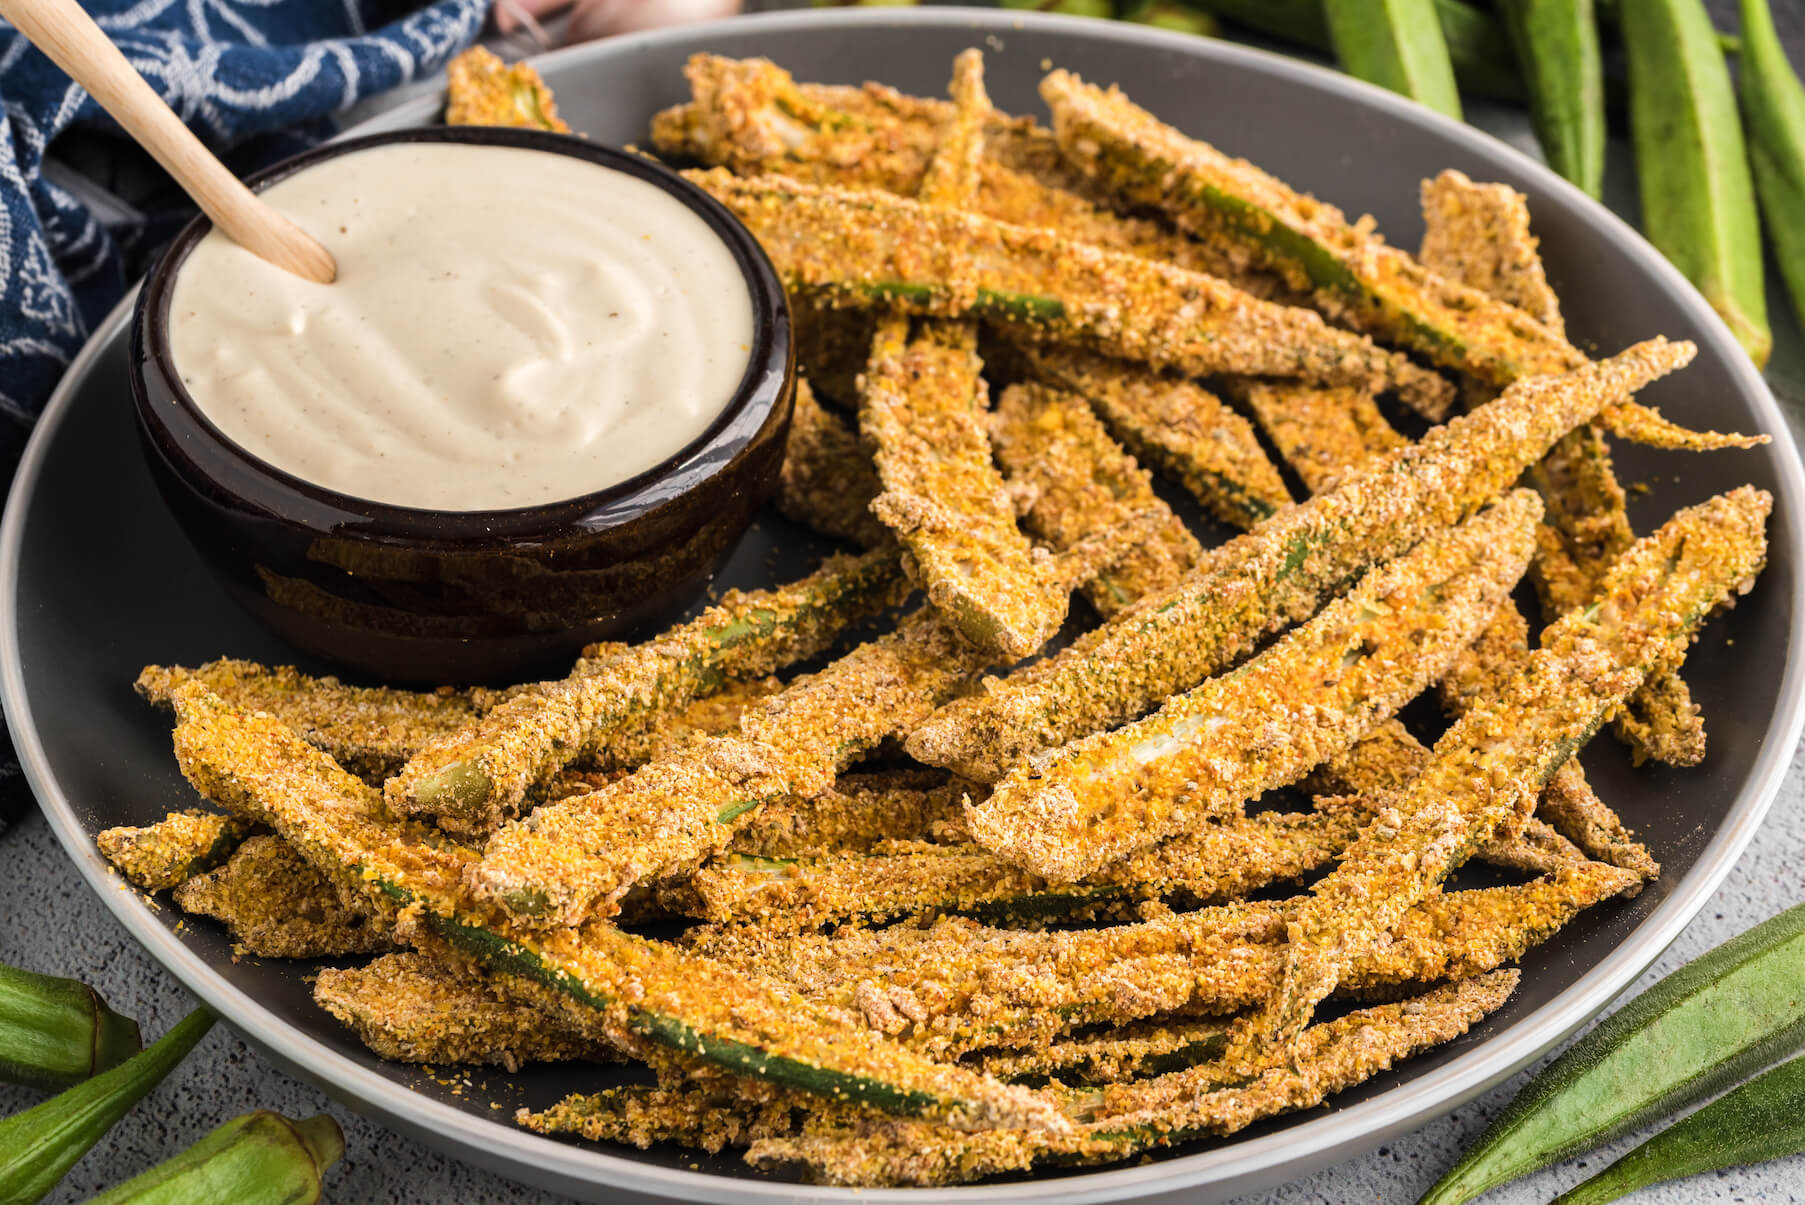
x,y
73,42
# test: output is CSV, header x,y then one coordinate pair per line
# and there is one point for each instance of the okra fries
x,y
864,913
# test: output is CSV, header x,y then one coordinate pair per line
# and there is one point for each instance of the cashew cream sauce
x,y
508,327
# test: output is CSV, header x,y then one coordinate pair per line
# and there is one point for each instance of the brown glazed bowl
x,y
428,596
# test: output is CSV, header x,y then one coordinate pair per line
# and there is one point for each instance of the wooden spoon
x,y
73,42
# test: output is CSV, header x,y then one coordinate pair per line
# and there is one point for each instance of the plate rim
x,y
1240,1165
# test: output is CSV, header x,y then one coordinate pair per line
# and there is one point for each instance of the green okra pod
x,y
1773,114
1557,44
1397,44
262,1158
57,1032
1698,201
1704,1026
39,1145
1764,1119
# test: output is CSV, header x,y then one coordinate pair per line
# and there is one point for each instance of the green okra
x,y
38,1146
261,1158
1069,813
1698,200
1759,1121
1708,1024
1773,114
1557,43
639,990
1480,52
938,262
1397,44
1277,574
472,779
58,1032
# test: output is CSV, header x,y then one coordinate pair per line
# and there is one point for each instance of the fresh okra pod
x,y
261,1158
39,1145
57,1032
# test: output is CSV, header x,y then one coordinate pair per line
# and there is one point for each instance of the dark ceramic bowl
x,y
467,596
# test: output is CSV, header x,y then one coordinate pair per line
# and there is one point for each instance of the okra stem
x,y
261,1158
58,1032
39,1145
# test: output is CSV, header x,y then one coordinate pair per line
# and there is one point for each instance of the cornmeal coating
x,y
1070,811
856,814
164,855
1478,234
1495,759
751,117
578,857
370,730
1276,574
957,985
469,781
278,906
1222,859
481,90
634,991
708,1117
923,410
1323,434
419,1009
875,250
1176,426
1081,482
828,480
1168,1109
1112,1056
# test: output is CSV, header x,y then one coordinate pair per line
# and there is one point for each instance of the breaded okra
x,y
1167,1109
1478,234
1081,482
481,90
1073,810
473,778
168,853
1494,761
369,730
956,985
278,906
828,480
421,1009
1222,859
567,861
1276,574
751,117
858,812
1345,266
868,249
632,990
923,410
1323,434
1176,426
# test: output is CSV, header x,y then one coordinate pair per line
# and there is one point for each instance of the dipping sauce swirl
x,y
509,327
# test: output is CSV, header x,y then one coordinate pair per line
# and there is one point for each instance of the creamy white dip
x,y
508,327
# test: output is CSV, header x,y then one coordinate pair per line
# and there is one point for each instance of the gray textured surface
x,y
55,925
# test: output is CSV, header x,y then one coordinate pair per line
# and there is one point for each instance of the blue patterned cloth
x,y
256,79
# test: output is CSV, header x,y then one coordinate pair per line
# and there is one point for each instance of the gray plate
x,y
95,581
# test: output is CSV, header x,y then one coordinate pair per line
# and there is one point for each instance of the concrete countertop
x,y
54,924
